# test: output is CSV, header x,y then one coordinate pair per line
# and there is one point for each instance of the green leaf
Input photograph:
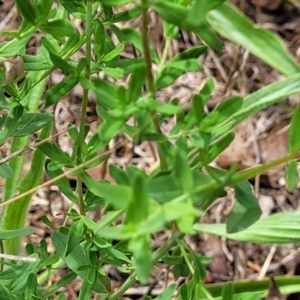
x,y
99,39
60,90
171,12
73,7
10,234
42,8
184,62
25,270
294,134
292,176
173,69
164,188
32,122
76,259
56,154
182,171
228,291
183,212
71,43
74,236
115,2
262,98
31,285
118,175
63,183
38,62
266,45
245,211
59,28
61,63
131,35
117,195
136,83
141,250
279,228
116,73
127,65
139,205
6,293
10,124
62,282
26,10
105,92
217,147
126,15
167,294
221,113
113,54
5,171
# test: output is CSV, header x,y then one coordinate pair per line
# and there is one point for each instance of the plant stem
x,y
155,257
149,79
80,141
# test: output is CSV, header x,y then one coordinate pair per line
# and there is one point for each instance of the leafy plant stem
x,y
84,102
155,258
150,81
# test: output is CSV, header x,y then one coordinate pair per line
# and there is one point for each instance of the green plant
x,y
175,194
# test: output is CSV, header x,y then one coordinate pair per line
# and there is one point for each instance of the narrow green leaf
x,y
74,236
6,171
220,145
228,291
31,285
105,92
245,211
292,176
117,195
63,183
71,43
182,171
99,39
279,228
261,99
10,124
59,28
76,259
26,10
9,234
139,205
126,15
61,63
142,254
167,294
56,154
266,45
113,54
32,122
73,7
60,90
294,134
137,80
6,293
173,13
222,112
131,35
